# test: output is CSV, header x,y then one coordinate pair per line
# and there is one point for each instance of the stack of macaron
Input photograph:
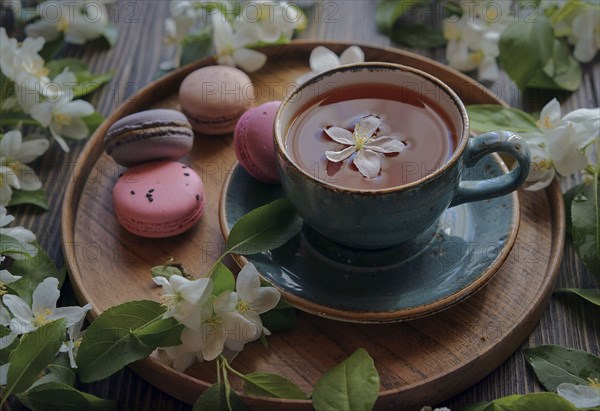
x,y
158,196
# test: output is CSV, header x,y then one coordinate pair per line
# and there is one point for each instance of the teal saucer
x,y
440,268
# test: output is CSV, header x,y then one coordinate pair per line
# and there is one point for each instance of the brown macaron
x,y
213,98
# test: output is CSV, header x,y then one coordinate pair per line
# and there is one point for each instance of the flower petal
x,y
550,115
240,328
214,344
352,54
563,150
367,126
193,340
180,358
322,59
385,145
266,299
225,302
6,341
337,156
32,149
10,144
368,163
45,295
73,315
7,278
4,373
29,180
587,125
249,60
248,280
581,396
18,308
341,135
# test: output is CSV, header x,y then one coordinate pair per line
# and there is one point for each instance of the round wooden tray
x,y
420,362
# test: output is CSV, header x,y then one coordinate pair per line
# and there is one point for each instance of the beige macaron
x,y
213,98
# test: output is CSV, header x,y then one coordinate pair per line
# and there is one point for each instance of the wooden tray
x,y
420,362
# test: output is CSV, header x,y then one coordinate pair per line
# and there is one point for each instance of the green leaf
x,y
585,215
492,117
34,270
568,197
525,48
351,385
561,72
6,351
281,317
33,354
93,121
223,279
388,11
51,48
262,384
264,228
535,401
36,197
162,333
165,271
590,294
110,342
418,35
10,245
554,365
214,399
59,370
56,395
86,81
197,46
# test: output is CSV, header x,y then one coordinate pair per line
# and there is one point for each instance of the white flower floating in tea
x,y
365,143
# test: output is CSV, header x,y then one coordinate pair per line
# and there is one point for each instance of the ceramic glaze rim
x,y
287,109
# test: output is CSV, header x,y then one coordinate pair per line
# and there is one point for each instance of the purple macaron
x,y
149,135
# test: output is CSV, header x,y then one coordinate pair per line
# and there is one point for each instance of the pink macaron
x,y
213,98
253,142
158,199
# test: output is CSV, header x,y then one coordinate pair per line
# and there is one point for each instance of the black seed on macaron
x,y
151,190
120,175
148,195
150,199
187,184
132,192
186,174
197,197
183,166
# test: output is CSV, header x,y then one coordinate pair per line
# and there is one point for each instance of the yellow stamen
x,y
594,383
545,122
41,317
15,166
63,24
170,300
2,289
62,119
476,57
243,306
77,343
214,321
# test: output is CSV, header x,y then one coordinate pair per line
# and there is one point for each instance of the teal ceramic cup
x,y
376,219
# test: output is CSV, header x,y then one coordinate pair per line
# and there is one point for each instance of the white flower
x,y
176,30
6,278
364,142
184,298
43,309
13,149
72,346
559,145
7,340
4,373
473,44
231,47
180,358
428,408
14,153
22,235
63,116
322,59
581,396
273,20
223,325
252,299
79,21
195,8
585,35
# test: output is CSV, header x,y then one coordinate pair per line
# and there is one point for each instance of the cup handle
x,y
478,147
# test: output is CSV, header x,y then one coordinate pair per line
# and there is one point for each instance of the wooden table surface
x,y
567,321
